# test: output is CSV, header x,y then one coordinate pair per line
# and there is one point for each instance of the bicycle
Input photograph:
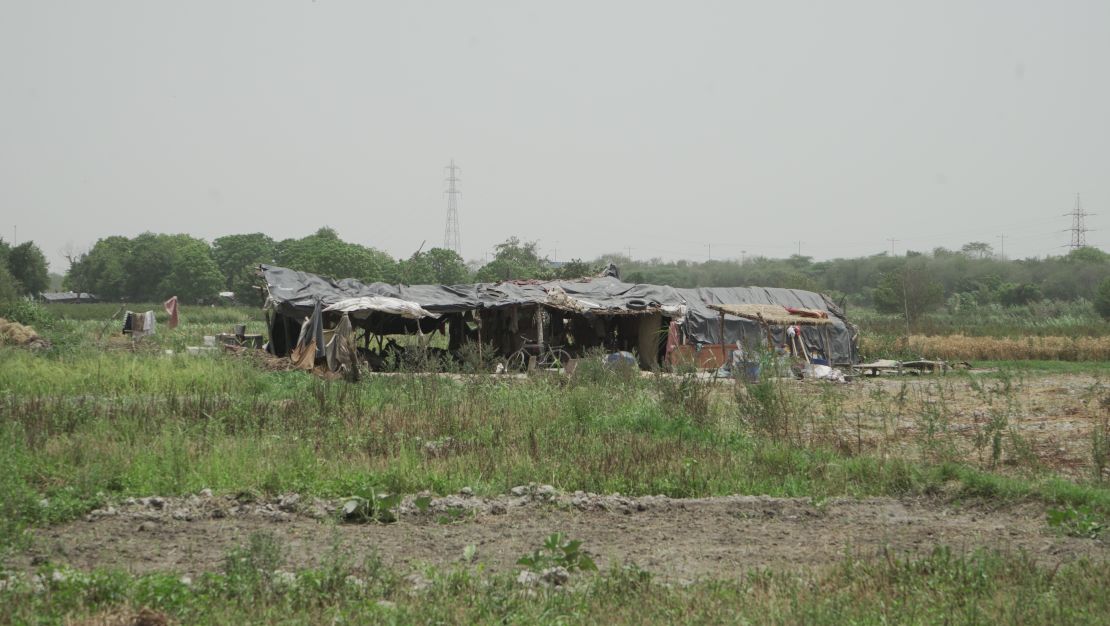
x,y
546,355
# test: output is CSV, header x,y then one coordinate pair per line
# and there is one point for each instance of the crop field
x,y
143,485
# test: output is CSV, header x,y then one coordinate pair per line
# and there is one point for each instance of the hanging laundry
x,y
672,337
171,310
139,325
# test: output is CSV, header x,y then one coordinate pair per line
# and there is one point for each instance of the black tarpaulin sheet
x,y
703,325
293,292
600,295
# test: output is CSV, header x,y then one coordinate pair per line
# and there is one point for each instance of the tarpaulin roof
x,y
382,304
292,291
772,313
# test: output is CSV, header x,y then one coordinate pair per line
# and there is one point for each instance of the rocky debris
x,y
528,578
555,576
290,503
319,509
552,577
183,515
108,511
439,448
417,582
425,508
283,578
355,582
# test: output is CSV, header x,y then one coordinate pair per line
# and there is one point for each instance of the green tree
x,y
1087,254
1010,294
436,266
238,257
150,260
1102,299
977,250
324,253
27,265
416,270
102,270
448,267
148,268
909,291
9,286
577,268
515,260
193,276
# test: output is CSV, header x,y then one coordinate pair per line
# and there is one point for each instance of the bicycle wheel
x,y
556,358
517,361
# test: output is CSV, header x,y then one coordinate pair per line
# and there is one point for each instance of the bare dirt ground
x,y
676,539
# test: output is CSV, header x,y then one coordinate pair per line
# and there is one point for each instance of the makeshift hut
x,y
704,330
577,316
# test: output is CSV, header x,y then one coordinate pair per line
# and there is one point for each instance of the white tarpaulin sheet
x,y
384,304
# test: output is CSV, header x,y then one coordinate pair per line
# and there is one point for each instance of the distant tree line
x,y
911,285
154,266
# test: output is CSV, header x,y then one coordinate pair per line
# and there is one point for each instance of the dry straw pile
x,y
16,334
960,347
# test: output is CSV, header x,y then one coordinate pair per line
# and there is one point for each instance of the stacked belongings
x,y
138,325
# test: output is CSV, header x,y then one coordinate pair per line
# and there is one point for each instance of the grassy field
x,y
941,588
1040,319
97,419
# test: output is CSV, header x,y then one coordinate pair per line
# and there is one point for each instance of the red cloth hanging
x,y
672,337
171,310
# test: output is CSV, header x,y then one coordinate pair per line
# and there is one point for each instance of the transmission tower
x,y
451,231
1078,228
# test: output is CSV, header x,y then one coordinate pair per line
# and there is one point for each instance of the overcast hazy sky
x,y
664,127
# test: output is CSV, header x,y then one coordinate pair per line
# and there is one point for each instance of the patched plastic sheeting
x,y
703,324
383,304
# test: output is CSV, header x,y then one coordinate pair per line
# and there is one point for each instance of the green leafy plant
x,y
558,551
370,507
1077,521
451,515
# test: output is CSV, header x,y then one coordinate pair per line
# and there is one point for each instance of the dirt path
x,y
676,539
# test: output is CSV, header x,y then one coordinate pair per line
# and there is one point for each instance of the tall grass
x,y
76,432
938,588
103,420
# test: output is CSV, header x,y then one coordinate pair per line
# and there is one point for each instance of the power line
x,y
451,230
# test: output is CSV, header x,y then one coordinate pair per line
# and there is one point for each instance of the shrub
x,y
1102,299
